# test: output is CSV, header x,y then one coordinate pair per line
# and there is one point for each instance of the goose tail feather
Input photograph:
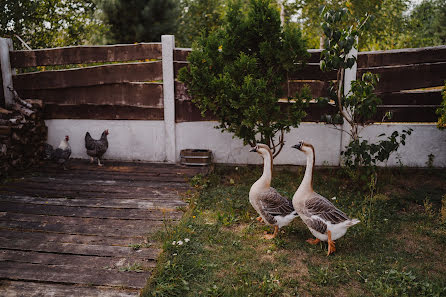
x,y
353,222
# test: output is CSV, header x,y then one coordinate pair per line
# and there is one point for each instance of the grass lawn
x,y
398,249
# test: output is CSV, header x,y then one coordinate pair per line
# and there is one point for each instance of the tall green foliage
x,y
396,23
359,106
49,23
426,24
198,17
132,21
238,73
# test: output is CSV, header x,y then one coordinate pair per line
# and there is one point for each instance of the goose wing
x,y
274,204
319,206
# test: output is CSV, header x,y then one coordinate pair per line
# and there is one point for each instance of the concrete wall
x,y
146,141
128,140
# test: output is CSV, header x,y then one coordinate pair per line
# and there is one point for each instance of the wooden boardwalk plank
x,y
31,289
86,212
124,203
72,238
81,275
106,263
74,225
78,249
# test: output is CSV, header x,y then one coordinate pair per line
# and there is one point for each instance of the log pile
x,y
22,135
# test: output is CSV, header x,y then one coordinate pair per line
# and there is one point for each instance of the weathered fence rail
x,y
129,88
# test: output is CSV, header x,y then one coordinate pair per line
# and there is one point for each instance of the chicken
x,y
59,155
96,148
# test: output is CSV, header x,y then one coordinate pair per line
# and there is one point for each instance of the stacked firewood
x,y
22,135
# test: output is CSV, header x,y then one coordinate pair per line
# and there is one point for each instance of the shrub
x,y
239,72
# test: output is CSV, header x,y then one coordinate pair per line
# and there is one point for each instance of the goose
x,y
273,208
325,221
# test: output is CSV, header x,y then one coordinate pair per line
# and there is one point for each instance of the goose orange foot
x,y
259,219
313,241
271,236
331,244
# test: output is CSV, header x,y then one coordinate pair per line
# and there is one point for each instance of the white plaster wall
x,y
128,140
226,149
145,141
425,139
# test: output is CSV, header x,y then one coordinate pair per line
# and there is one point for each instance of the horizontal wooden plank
x,y
87,212
32,196
89,76
108,263
318,88
180,54
187,112
177,65
408,77
79,176
411,98
134,94
312,71
12,235
90,182
41,245
315,112
405,56
102,112
412,114
156,192
85,54
126,167
85,226
34,289
61,274
181,92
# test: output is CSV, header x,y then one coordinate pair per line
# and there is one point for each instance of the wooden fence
x,y
410,83
125,82
127,85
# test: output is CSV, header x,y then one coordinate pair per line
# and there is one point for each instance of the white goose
x,y
325,221
272,207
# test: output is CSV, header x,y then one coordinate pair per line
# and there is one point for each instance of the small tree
x,y
239,72
359,106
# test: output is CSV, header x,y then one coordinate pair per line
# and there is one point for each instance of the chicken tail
x,y
48,151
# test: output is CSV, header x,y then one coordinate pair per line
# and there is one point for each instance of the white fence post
x,y
5,47
349,76
168,45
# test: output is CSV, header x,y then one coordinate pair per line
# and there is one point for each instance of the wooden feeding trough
x,y
196,157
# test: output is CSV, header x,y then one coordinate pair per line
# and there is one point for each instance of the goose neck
x,y
267,170
307,181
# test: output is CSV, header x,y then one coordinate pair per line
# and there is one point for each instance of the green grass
x,y
398,249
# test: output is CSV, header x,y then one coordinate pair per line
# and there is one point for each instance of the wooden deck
x,y
86,231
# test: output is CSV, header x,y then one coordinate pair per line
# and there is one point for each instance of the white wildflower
x,y
180,242
186,240
334,198
174,242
